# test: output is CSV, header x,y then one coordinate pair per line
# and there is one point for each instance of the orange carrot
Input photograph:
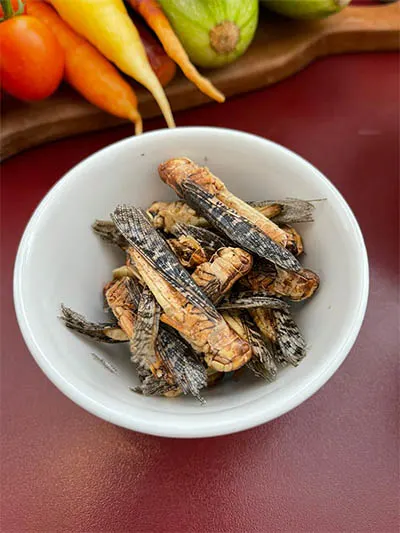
x,y
153,14
87,70
161,63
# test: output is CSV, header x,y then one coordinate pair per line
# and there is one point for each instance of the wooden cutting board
x,y
281,47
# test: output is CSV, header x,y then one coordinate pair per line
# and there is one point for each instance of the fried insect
x,y
289,337
122,303
274,281
193,245
264,320
189,373
111,333
98,331
107,231
175,171
288,211
122,299
278,326
189,251
295,242
237,228
171,361
165,215
143,343
262,363
217,276
209,240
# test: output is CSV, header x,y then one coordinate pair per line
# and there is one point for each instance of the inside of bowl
x,y
64,262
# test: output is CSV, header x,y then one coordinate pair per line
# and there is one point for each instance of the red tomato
x,y
31,60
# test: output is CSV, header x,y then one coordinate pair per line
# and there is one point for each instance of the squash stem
x,y
224,37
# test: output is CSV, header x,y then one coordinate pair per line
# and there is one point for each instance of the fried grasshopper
x,y
218,276
296,286
143,343
288,211
107,231
262,363
99,331
112,333
194,245
175,171
278,327
189,251
122,301
206,238
185,306
166,356
152,386
295,242
165,215
272,317
236,227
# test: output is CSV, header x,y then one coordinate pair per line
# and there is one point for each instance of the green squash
x,y
213,32
306,9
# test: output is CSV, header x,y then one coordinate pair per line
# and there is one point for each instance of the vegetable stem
x,y
224,37
7,9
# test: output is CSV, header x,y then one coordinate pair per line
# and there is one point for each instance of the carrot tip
x,y
137,120
138,127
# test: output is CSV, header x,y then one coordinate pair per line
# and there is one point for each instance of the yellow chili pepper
x,y
106,24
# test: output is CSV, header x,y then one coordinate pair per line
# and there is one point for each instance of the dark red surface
x,y
328,466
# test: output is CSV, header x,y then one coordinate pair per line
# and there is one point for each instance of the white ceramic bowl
x,y
61,260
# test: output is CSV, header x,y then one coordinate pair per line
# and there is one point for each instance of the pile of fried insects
x,y
207,284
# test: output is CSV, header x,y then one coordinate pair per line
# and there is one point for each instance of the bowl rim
x,y
155,428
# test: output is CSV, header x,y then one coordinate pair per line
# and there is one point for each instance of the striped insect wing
x,y
293,210
188,372
143,345
251,300
289,338
93,330
262,362
236,227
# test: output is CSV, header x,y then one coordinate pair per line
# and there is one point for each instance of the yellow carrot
x,y
106,24
153,14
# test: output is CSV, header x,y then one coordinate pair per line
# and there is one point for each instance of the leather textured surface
x,y
328,466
